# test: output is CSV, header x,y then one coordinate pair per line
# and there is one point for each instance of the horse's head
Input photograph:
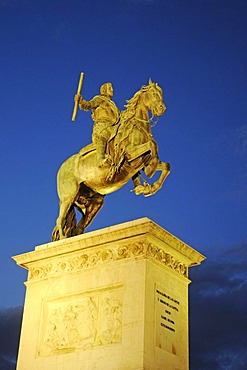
x,y
149,97
153,99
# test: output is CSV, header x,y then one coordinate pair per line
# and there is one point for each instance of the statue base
x,y
115,298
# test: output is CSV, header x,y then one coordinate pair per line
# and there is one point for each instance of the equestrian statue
x,y
122,146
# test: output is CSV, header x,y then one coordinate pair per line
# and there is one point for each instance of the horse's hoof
x,y
139,189
148,190
167,166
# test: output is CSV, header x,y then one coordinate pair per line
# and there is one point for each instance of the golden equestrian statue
x,y
122,145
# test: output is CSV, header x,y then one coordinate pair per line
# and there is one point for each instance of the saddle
x,y
116,150
111,158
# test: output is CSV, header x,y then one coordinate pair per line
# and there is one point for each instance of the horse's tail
x,y
70,223
55,234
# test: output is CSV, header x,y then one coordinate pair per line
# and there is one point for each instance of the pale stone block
x,y
115,298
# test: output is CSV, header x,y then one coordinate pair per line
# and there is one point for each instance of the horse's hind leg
x,y
65,204
64,209
93,205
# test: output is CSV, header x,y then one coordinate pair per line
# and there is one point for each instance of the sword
x,y
78,93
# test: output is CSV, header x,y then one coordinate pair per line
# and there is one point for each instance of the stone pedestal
x,y
111,299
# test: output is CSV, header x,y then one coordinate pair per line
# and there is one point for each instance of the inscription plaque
x,y
167,309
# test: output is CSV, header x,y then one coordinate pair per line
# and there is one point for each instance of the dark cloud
x,y
218,312
10,324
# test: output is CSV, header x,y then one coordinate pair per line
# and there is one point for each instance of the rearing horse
x,y
82,184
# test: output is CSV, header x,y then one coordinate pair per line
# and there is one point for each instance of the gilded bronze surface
x,y
122,145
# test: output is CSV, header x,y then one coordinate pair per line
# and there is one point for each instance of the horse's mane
x,y
132,103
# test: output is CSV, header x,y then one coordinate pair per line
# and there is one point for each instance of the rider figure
x,y
105,114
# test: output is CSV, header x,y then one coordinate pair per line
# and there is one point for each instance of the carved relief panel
x,y
81,322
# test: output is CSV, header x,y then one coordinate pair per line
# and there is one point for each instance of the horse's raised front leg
x,y
164,167
147,189
138,187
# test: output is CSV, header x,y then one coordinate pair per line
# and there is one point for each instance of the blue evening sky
x,y
196,51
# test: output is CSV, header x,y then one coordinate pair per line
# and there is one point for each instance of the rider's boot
x,y
101,157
